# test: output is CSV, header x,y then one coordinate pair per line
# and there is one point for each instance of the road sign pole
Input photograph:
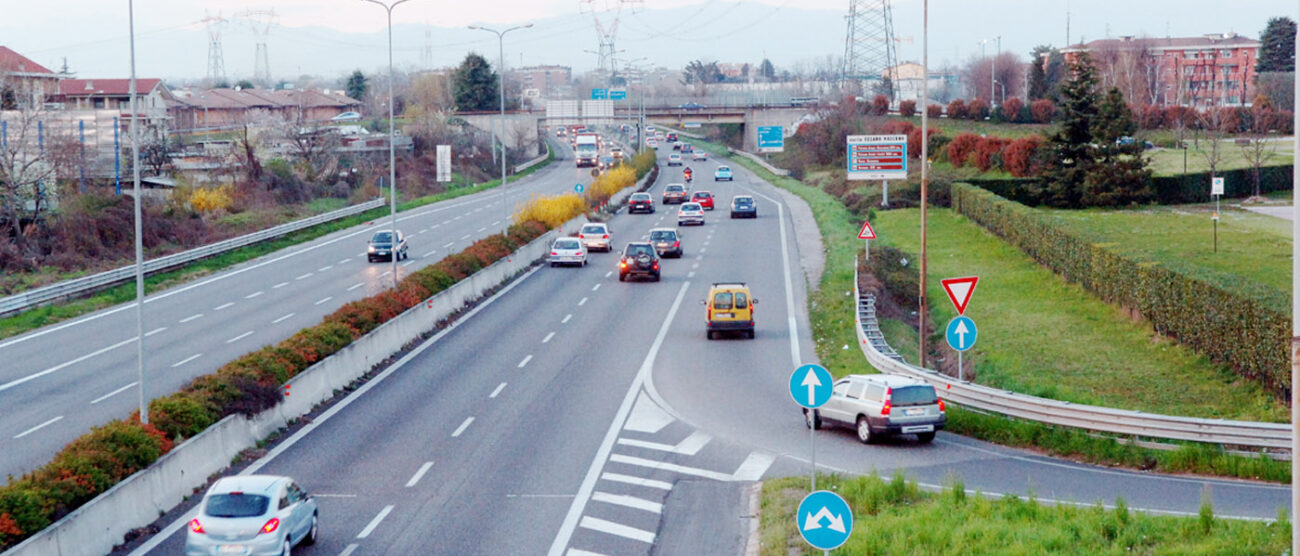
x,y
866,250
961,371
884,193
812,441
1216,223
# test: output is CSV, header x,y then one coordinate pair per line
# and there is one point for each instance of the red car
x,y
704,198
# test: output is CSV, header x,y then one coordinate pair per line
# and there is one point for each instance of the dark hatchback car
x,y
675,193
667,242
640,202
382,248
743,206
639,259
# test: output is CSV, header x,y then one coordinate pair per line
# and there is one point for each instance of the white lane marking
x,y
324,268
180,522
483,229
113,393
695,265
753,468
608,274
576,552
703,249
690,274
595,287
672,467
466,236
56,368
627,502
572,518
280,285
498,222
223,306
690,445
282,319
195,316
418,474
524,362
582,302
408,263
154,331
375,522
356,285
566,318
638,481
621,530
254,294
323,300
422,231
37,427
341,261
500,387
434,226
349,549
186,360
789,288
307,275
548,337
699,257
429,253
239,337
386,273
448,244
462,427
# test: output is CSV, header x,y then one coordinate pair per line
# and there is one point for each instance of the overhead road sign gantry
x,y
877,157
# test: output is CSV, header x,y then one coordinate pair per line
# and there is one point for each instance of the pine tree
x,y
475,84
1120,175
1038,86
1277,46
1071,145
356,85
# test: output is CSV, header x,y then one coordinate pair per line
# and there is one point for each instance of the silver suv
x,y
880,405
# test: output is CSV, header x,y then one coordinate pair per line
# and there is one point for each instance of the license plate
x,y
914,411
726,315
232,549
918,428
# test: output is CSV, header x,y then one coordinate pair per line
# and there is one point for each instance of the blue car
x,y
722,173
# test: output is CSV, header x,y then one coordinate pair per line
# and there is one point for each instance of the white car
x,y
567,250
674,159
253,514
595,235
690,213
699,155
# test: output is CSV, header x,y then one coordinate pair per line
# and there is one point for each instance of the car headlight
x,y
371,249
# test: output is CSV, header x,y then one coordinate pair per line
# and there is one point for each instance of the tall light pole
x,y
1295,334
139,243
392,136
501,88
925,162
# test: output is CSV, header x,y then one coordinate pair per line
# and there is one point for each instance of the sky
x,y
332,37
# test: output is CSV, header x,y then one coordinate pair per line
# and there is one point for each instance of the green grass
x,y
1044,337
122,293
952,128
1169,162
1254,253
895,516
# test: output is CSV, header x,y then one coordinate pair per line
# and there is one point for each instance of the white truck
x,y
586,150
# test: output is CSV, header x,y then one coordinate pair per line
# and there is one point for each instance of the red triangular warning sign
x,y
959,291
867,232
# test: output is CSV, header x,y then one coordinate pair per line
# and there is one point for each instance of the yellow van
x,y
730,307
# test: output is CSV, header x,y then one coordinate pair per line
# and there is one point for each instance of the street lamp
x,y
501,87
392,136
139,245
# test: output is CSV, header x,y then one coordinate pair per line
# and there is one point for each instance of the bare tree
x,y
1259,148
27,172
312,145
1213,122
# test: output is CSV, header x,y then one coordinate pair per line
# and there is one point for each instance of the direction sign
x,y
444,163
771,139
810,386
577,188
867,232
618,94
877,157
824,520
962,333
691,124
959,291
599,94
1216,186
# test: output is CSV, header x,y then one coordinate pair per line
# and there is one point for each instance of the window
x,y
841,388
913,395
237,505
875,393
1225,53
742,300
722,301
856,390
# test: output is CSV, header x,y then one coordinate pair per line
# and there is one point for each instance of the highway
x,y
59,381
574,415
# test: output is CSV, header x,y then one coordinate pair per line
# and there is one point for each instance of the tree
x,y
27,172
356,85
1046,74
475,84
1277,46
244,84
156,150
1260,149
1120,175
766,70
1072,154
698,72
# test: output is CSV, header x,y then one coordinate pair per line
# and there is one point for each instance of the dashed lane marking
x,y
370,528
462,427
186,360
418,474
113,393
498,390
37,427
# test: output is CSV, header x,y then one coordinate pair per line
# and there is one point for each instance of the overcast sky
x,y
328,37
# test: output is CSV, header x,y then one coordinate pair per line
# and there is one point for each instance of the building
x,y
735,72
115,94
907,82
548,80
1215,69
24,82
226,108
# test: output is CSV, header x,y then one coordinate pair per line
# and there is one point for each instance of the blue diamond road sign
x,y
961,333
810,386
824,519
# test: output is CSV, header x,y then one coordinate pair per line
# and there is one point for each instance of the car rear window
x,y
640,196
722,300
382,237
593,229
674,188
691,206
237,505
664,235
566,244
913,395
637,250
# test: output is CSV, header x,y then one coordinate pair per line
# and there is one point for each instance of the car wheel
x,y
925,437
584,262
312,533
708,334
552,264
864,430
812,419
656,276
288,547
622,277
750,333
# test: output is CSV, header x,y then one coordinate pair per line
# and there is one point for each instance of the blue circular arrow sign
x,y
810,386
577,188
961,333
824,520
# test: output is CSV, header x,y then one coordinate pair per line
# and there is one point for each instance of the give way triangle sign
x,y
867,232
959,291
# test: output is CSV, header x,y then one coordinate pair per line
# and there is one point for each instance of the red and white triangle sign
x,y
959,291
867,232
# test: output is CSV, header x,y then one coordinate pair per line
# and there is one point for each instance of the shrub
x,y
1011,109
978,109
957,109
879,105
180,415
988,152
914,142
1021,157
907,108
550,211
934,111
897,127
1150,117
1042,110
211,199
961,147
608,183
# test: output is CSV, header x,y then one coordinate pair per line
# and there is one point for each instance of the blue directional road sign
x,y
810,386
599,94
618,94
824,520
962,333
771,138
577,188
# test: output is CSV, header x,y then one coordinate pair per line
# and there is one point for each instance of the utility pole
x,y
925,163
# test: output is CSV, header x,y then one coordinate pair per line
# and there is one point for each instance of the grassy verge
x,y
64,310
831,314
1170,162
895,517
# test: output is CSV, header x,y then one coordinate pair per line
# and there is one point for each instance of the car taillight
x,y
197,527
580,236
941,408
553,253
888,395
271,525
885,410
622,264
677,244
606,236
656,267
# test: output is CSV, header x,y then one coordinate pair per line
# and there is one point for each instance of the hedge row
x,y
1170,190
100,459
1230,329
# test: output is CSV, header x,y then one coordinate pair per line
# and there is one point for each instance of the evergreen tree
x,y
1071,145
1277,46
356,85
767,70
1120,175
475,84
1038,86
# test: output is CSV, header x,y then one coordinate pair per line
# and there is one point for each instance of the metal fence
x,y
78,286
1053,412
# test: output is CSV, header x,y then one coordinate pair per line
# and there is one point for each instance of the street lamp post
x,y
139,243
392,137
501,88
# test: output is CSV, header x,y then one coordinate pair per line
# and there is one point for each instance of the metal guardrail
x,y
1059,413
45,294
534,161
